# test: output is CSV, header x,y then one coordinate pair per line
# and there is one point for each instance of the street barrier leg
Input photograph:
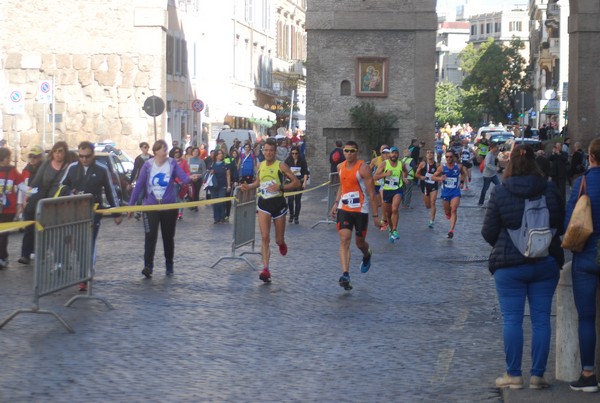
x,y
57,316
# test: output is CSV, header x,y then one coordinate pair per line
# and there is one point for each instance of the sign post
x,y
198,107
154,106
45,96
15,106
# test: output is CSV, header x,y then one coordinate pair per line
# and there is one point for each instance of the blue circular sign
x,y
16,96
198,105
45,87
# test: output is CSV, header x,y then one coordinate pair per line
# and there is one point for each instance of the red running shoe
x,y
265,275
283,249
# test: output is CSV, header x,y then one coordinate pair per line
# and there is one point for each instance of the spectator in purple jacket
x,y
156,185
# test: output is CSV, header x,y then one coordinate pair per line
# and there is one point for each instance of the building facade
x,y
550,61
243,60
452,38
382,52
503,26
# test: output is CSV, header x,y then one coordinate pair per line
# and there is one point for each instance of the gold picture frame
x,y
372,77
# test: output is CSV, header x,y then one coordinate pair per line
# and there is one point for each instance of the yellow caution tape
x,y
14,225
287,194
161,207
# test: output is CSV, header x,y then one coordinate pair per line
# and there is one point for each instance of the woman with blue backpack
x,y
520,275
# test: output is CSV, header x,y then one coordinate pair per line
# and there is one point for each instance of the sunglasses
x,y
350,150
85,156
294,152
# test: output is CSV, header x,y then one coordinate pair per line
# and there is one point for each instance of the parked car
x,y
489,131
119,175
500,137
125,159
507,147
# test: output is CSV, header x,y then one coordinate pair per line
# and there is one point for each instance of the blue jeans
x,y
486,186
586,275
535,282
219,208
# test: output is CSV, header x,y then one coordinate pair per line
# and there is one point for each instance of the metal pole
x,y
522,109
155,129
53,108
15,140
44,117
154,114
291,109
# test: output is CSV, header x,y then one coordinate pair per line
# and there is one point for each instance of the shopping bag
x,y
208,183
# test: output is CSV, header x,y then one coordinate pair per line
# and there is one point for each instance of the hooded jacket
x,y
505,210
143,189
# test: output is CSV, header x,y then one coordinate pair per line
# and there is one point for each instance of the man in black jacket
x,y
89,177
559,168
577,162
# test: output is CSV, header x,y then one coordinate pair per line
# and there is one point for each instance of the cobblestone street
x,y
422,325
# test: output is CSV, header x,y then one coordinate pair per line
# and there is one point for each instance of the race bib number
x,y
296,171
265,192
351,199
450,183
428,179
194,167
391,181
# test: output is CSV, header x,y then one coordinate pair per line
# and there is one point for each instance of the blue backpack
x,y
534,236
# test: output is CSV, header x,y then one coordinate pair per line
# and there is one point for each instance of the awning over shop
x,y
551,107
250,111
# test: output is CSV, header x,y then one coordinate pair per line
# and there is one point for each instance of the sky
x,y
450,5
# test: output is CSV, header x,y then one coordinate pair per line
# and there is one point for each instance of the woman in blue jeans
x,y
519,278
221,185
586,273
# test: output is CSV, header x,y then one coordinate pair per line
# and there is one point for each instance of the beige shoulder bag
x,y
580,226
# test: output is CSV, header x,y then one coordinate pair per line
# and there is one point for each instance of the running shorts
x,y
274,206
427,188
388,195
353,220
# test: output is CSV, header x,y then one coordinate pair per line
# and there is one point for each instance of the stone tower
x,y
378,50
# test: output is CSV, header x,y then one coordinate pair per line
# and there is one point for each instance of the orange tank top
x,y
354,196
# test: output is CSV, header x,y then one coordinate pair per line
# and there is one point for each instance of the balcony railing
x,y
297,67
553,9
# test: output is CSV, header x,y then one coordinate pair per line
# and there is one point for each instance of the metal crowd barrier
x,y
334,184
244,225
63,251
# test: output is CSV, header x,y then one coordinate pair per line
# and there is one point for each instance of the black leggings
x,y
294,205
167,219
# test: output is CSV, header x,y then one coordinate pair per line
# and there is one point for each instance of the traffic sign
x,y
198,105
16,103
154,106
45,92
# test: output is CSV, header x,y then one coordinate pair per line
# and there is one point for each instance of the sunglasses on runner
x,y
349,150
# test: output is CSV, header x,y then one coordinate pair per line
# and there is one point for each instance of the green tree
x,y
495,75
448,103
376,126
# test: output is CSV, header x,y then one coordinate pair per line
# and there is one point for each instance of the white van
x,y
228,135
